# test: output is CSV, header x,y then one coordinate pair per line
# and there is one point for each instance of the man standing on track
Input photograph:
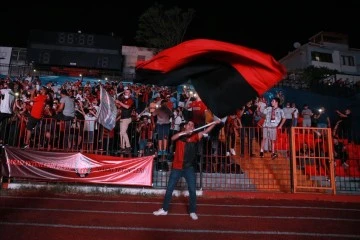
x,y
183,166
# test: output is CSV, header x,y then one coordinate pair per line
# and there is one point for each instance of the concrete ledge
x,y
97,189
177,193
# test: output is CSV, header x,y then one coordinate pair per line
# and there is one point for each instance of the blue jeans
x,y
321,125
190,177
295,122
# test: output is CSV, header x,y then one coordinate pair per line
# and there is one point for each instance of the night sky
x,y
271,28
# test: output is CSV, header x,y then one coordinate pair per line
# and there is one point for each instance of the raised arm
x,y
207,130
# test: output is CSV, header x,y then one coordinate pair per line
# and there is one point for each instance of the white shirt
x,y
79,97
6,104
177,121
288,112
261,106
89,123
273,122
295,112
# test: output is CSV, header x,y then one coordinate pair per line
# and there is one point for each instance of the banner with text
x,y
77,167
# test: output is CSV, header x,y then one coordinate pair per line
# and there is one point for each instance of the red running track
x,y
35,215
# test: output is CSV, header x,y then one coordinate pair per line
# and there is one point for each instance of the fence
x,y
305,158
16,69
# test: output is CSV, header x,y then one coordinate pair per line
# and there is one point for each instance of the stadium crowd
x,y
51,116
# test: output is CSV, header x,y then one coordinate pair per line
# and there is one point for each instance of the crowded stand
x,y
49,116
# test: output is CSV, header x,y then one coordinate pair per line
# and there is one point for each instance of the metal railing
x,y
223,163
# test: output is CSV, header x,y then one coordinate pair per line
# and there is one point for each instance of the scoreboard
x,y
74,50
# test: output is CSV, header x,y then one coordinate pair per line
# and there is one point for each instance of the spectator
x,y
343,126
47,123
323,120
288,115
260,106
7,99
145,130
126,105
306,114
36,114
162,114
198,109
176,120
230,128
65,111
295,114
274,118
340,152
66,108
155,103
89,126
247,130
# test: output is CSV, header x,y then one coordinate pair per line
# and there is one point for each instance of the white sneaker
x,y
160,212
194,216
232,151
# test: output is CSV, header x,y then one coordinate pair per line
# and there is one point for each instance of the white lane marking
x,y
311,234
179,214
199,204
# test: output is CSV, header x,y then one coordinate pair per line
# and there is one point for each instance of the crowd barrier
x,y
223,163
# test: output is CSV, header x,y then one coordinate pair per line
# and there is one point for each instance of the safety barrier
x,y
221,164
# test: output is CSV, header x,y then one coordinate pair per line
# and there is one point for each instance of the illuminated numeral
x,y
81,39
103,62
61,38
45,58
70,38
90,40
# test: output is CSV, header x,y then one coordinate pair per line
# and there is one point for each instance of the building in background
x,y
13,62
325,49
132,55
5,55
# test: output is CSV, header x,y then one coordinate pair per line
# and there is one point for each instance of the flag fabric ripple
x,y
226,76
107,110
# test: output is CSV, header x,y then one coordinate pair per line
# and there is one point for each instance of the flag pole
x,y
206,125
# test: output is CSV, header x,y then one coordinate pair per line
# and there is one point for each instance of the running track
x,y
49,216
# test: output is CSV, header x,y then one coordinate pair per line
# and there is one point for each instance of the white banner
x,y
5,56
76,167
107,110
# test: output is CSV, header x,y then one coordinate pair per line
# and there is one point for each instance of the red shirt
x,y
146,132
38,106
126,112
170,105
198,112
179,157
145,96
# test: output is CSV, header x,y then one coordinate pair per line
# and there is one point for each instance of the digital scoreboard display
x,y
74,50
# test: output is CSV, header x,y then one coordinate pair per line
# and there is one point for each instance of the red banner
x,y
77,167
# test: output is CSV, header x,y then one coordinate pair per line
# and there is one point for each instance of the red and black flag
x,y
226,76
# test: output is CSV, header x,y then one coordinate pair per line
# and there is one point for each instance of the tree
x,y
312,75
159,28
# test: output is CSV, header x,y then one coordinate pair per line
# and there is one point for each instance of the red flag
x,y
225,75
